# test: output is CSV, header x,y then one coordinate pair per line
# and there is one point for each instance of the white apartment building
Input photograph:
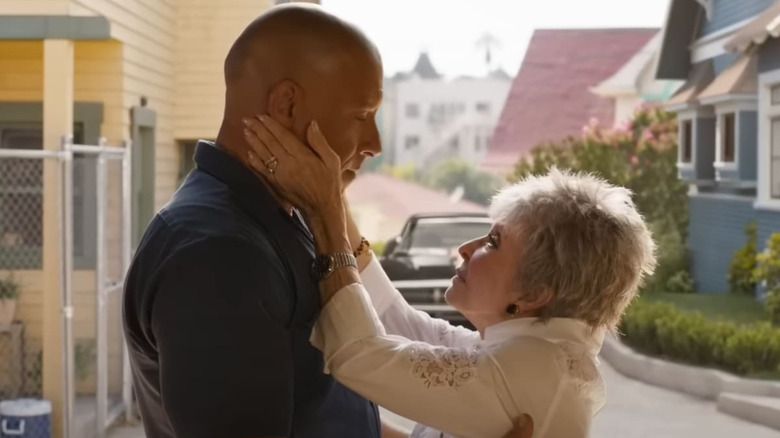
x,y
428,118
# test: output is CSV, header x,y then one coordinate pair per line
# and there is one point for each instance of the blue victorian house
x,y
728,52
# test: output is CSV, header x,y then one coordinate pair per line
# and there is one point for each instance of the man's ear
x,y
283,100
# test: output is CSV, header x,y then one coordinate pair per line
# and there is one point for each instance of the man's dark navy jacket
x,y
218,308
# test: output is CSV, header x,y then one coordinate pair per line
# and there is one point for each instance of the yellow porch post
x,y
57,121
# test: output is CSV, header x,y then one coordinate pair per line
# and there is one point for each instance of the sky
x,y
449,29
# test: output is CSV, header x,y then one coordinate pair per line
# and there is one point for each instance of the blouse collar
x,y
554,330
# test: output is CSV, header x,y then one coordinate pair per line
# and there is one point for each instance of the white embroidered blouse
x,y
448,379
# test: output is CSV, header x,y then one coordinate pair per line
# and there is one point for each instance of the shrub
x,y
772,304
754,350
680,283
743,263
672,269
660,329
9,289
767,272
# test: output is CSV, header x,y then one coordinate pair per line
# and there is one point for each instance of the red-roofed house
x,y
551,95
382,204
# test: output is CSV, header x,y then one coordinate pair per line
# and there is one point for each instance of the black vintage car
x,y
421,261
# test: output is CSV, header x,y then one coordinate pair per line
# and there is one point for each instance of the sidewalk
x,y
127,432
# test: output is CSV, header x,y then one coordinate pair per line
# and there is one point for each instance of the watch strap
x,y
325,265
342,260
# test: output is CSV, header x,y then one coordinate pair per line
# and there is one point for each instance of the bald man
x,y
219,301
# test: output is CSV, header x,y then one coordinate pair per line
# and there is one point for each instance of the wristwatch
x,y
324,265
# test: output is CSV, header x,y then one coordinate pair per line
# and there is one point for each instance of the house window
x,y
483,107
686,141
411,142
775,139
455,144
412,110
775,95
728,138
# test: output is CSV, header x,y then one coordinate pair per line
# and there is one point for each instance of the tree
x,y
478,187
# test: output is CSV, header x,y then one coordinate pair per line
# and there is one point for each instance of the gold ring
x,y
271,164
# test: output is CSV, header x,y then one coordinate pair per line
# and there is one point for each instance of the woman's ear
x,y
283,101
533,304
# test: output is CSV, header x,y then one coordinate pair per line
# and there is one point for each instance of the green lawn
x,y
725,306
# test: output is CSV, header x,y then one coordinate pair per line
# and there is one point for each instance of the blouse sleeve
x,y
400,318
450,389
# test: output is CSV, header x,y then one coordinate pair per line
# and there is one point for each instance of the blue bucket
x,y
25,418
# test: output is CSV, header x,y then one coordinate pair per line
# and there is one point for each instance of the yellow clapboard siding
x,y
156,93
34,7
101,50
21,95
21,81
122,17
103,82
164,9
206,31
151,12
132,38
137,71
21,65
22,50
139,57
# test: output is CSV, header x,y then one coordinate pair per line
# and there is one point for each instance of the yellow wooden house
x,y
147,71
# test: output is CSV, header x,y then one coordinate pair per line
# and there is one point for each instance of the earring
x,y
512,309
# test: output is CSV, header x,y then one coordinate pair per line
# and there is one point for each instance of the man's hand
x,y
524,428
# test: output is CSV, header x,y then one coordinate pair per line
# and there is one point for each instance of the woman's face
x,y
486,281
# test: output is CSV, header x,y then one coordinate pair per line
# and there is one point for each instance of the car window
x,y
445,235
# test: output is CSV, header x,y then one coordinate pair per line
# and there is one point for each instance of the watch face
x,y
321,267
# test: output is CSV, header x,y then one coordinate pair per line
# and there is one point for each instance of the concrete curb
x,y
757,401
761,410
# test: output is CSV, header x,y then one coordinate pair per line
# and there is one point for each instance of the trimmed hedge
x,y
660,329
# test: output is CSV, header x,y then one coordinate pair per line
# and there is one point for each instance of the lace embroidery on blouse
x,y
575,360
444,331
438,366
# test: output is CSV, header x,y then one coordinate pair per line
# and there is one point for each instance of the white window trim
x,y
692,113
721,109
765,113
681,119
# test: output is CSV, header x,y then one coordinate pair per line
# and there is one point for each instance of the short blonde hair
x,y
583,239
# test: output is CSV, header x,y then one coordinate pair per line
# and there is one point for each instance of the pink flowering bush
x,y
641,154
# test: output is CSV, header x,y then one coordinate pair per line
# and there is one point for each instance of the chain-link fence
x,y
93,199
21,239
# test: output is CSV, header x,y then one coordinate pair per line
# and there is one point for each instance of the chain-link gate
x,y
94,203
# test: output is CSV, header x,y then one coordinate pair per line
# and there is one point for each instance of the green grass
x,y
725,307
765,375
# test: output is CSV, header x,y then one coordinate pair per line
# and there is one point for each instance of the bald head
x,y
291,40
298,63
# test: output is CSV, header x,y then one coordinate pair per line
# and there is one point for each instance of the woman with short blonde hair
x,y
564,258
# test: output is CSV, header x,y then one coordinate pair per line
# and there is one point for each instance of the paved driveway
x,y
637,410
